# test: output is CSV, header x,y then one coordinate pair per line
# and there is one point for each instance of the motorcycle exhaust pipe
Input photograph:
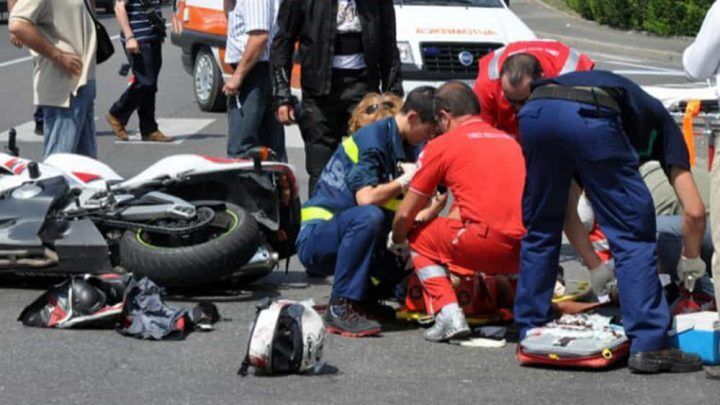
x,y
15,259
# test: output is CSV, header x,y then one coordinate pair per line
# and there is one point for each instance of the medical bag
x,y
580,340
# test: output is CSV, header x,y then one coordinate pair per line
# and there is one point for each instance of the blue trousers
x,y
251,117
351,247
562,139
72,129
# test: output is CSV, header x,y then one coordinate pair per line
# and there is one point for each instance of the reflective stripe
x,y
351,149
601,245
392,205
494,66
571,63
374,281
429,272
313,213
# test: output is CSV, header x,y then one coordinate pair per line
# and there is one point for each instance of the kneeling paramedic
x,y
484,169
588,125
346,221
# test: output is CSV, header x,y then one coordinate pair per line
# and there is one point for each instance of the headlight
x,y
406,56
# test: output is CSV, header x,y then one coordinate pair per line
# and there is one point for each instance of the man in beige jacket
x,y
61,35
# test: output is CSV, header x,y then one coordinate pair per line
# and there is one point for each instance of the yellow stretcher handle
x,y
691,111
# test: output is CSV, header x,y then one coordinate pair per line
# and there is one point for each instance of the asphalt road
x,y
86,366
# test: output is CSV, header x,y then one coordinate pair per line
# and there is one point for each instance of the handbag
x,y
105,47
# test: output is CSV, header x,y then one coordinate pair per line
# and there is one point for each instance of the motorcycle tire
x,y
229,248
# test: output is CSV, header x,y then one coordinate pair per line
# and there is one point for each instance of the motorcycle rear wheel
x,y
203,257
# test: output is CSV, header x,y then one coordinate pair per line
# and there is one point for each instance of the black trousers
x,y
323,120
140,94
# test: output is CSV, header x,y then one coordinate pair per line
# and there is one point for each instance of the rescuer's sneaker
x,y
450,323
344,319
670,360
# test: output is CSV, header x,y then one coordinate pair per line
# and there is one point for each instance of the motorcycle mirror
x,y
11,147
33,170
260,154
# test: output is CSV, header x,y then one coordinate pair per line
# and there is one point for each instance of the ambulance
x,y
437,40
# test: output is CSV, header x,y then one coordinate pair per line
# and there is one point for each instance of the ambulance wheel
x,y
203,256
208,82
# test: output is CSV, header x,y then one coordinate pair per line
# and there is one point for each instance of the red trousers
x,y
445,242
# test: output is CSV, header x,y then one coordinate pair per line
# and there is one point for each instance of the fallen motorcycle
x,y
186,220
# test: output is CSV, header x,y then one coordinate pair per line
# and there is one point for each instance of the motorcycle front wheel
x,y
201,257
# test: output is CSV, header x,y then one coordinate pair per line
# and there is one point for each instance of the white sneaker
x,y
450,323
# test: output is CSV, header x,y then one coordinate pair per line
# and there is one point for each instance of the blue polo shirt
x,y
649,127
367,158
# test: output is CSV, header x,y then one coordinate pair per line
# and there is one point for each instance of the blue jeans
x,y
669,248
251,118
561,139
72,129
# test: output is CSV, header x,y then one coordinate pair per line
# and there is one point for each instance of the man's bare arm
x,y
406,214
29,35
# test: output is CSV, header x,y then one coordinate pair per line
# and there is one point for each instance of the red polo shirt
x,y
485,170
555,58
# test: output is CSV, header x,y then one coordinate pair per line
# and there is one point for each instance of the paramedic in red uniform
x,y
500,100
484,169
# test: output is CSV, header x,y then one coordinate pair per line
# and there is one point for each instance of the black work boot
x,y
344,319
670,360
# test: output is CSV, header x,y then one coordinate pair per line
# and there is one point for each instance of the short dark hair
x,y
421,100
520,65
457,98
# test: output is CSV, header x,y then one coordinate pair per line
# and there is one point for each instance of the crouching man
x,y
346,221
484,169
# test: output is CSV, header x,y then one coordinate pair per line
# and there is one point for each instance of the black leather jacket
x,y
313,24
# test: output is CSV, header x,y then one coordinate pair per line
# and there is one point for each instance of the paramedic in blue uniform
x,y
592,126
346,221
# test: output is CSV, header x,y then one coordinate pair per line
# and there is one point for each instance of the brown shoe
x,y
156,136
117,127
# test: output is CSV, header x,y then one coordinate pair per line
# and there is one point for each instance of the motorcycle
x,y
185,220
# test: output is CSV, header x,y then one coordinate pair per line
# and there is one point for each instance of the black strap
x,y
92,14
155,20
593,95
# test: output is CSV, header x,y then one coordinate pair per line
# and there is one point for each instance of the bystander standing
x,y
63,36
143,31
251,122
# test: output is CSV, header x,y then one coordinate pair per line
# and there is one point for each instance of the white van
x,y
443,40
438,41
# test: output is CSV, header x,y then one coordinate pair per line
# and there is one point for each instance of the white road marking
x,y
293,139
179,129
25,133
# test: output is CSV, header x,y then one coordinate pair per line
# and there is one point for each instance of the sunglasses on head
x,y
373,108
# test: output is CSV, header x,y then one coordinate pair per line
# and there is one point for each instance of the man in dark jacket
x,y
347,49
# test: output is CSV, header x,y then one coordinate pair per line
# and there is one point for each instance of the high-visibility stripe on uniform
x,y
392,205
351,149
494,66
429,272
571,63
313,213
